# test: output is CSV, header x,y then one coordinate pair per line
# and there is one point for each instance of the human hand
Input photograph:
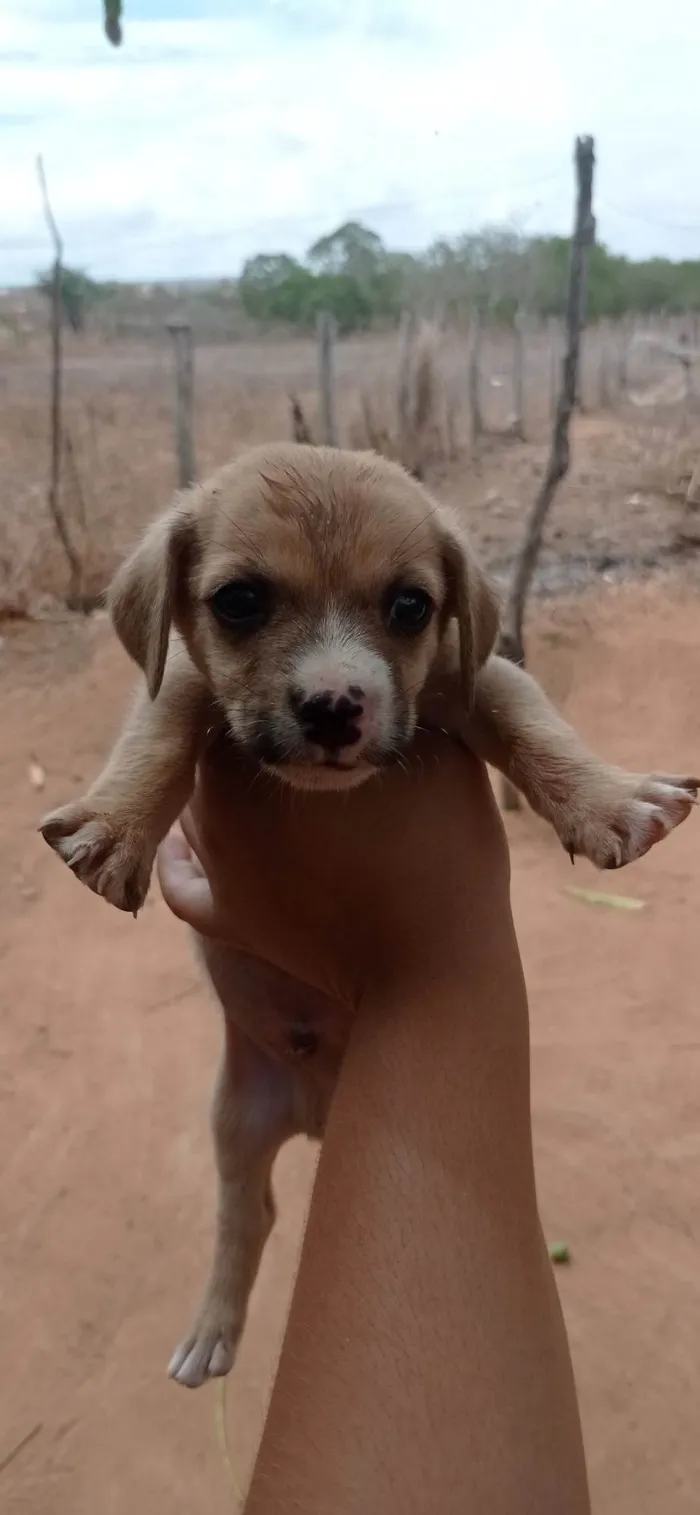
x,y
340,888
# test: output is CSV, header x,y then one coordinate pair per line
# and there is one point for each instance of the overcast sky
x,y
226,127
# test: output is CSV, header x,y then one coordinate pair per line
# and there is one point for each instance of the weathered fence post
x,y
512,644
554,364
519,375
473,376
183,350
74,598
626,333
604,383
407,336
325,331
686,360
692,498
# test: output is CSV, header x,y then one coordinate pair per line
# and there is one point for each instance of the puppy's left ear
x,y
472,601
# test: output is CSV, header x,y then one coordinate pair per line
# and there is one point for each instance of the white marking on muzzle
x,y
339,663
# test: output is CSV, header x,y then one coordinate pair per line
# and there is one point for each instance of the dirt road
x,y
107,1049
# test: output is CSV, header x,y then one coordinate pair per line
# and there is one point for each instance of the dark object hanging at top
x,y
113,21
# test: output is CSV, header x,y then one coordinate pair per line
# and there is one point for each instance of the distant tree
x,y
78,294
268,270
548,263
355,252
352,274
275,287
344,297
351,249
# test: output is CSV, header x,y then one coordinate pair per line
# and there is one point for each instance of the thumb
x,y
185,888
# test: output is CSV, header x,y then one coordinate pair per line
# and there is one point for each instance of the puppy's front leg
x,y
109,838
252,1115
597,810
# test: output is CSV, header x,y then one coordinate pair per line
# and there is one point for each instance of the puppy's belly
x,y
291,1022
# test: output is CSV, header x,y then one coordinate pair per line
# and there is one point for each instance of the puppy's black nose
x,y
329,720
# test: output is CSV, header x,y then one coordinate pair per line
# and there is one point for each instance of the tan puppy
x,y
316,606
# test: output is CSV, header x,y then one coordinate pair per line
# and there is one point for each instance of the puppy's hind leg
x,y
252,1115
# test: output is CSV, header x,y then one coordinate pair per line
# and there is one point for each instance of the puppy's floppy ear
x,y
143,592
472,601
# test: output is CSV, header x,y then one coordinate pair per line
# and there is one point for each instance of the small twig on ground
x,y
19,1447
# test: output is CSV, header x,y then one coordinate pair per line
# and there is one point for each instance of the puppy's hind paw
x,y
208,1352
111,858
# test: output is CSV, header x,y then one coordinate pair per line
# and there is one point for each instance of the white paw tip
x,y
187,1369
221,1360
192,1366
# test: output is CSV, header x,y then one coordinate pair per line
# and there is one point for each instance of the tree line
x,y
498,272
352,274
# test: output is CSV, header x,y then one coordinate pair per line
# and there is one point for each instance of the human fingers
x,y
184,885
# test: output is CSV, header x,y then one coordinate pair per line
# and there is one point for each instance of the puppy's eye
x,y
408,609
242,604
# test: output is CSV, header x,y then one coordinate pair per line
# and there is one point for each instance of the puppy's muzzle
x,y
333,721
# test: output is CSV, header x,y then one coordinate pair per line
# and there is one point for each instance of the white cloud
x,y
206,138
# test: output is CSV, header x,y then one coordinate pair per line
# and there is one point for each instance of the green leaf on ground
x,y
608,901
559,1252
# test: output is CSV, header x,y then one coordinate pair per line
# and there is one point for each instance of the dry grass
x,y
415,424
118,463
672,456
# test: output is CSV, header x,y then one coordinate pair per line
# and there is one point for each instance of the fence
x,y
410,392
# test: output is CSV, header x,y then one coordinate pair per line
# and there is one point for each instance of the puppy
x,y
315,606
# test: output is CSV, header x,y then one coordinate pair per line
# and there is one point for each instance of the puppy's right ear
x,y
142,596
472,601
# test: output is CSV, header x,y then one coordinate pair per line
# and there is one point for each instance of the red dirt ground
x,y
108,1046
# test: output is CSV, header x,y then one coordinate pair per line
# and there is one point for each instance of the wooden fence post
x,y
407,336
604,384
519,375
512,643
626,333
473,377
183,349
554,364
74,598
557,467
692,498
325,331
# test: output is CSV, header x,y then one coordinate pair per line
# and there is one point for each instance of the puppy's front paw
x,y
210,1349
113,858
620,820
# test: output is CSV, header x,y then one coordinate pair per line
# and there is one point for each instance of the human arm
x,y
425,1366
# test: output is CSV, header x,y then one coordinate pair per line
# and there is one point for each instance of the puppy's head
x,y
313,588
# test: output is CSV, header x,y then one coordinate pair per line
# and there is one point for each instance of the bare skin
x,y
425,1365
